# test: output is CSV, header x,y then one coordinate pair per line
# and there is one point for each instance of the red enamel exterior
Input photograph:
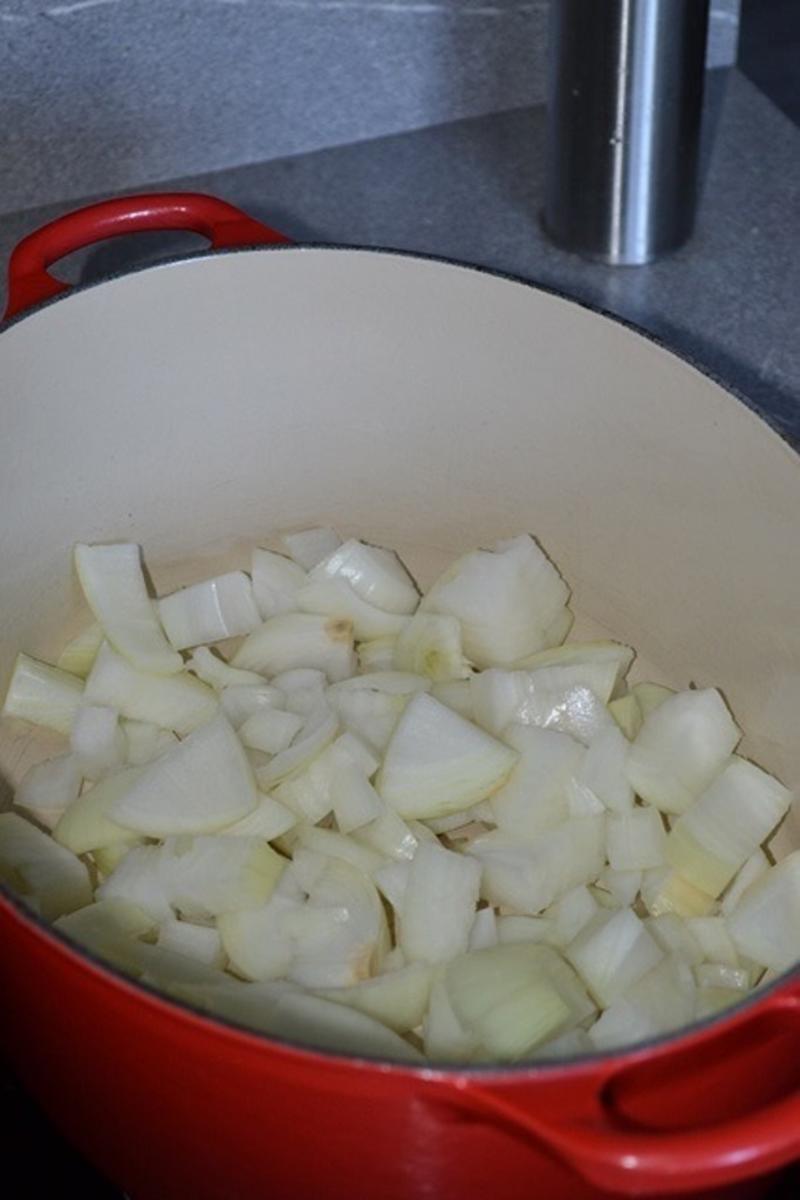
x,y
171,1105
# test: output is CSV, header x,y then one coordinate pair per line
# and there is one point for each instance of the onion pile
x,y
392,825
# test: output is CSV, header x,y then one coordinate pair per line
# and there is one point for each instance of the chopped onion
x,y
377,654
391,683
276,582
372,715
722,975
628,715
79,654
438,906
145,742
42,694
650,696
512,929
97,741
240,702
622,886
675,937
329,844
456,694
682,745
502,996
319,730
612,952
213,874
311,546
665,891
505,600
570,915
765,924
569,699
355,801
49,788
444,1037
534,797
48,876
86,825
602,774
210,611
713,938
391,879
398,1000
336,598
756,866
661,1000
584,654
430,645
299,640
527,876
177,702
374,574
269,820
256,940
114,586
110,929
389,835
484,930
200,942
270,730
202,785
718,833
635,840
436,762
213,670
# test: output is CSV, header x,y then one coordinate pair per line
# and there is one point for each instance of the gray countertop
x,y
471,190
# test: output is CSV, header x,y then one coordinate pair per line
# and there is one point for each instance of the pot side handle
x,y
29,282
617,1155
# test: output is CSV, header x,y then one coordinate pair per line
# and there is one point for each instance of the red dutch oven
x,y
201,405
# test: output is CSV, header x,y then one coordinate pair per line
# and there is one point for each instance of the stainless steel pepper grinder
x,y
624,108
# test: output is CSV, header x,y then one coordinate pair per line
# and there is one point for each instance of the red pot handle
x,y
617,1156
29,282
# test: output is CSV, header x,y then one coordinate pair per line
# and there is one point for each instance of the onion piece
x,y
269,820
145,742
202,785
270,730
42,694
303,689
79,653
635,840
200,942
276,582
527,876
711,1000
430,645
570,914
210,611
97,741
439,903
329,844
681,747
377,654
46,875
138,880
444,1037
437,763
371,715
319,730
398,1000
391,880
612,952
557,698
299,640
583,654
505,600
665,891
355,801
661,1000
213,874
715,836
572,1044
484,930
391,683
765,924
713,938
349,941
722,975
376,575
48,788
628,715
756,866
502,996
256,940
336,598
650,696
602,773
675,937
534,797
214,671
311,546
177,702
240,702
108,858
389,836
110,929
622,886
512,928
114,586
86,826
456,694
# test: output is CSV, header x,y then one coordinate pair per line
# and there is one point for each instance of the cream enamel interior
x,y
200,407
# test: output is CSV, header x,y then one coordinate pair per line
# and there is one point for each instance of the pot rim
x,y
446,1071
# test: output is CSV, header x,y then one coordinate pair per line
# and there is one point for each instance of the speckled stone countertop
x,y
472,190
